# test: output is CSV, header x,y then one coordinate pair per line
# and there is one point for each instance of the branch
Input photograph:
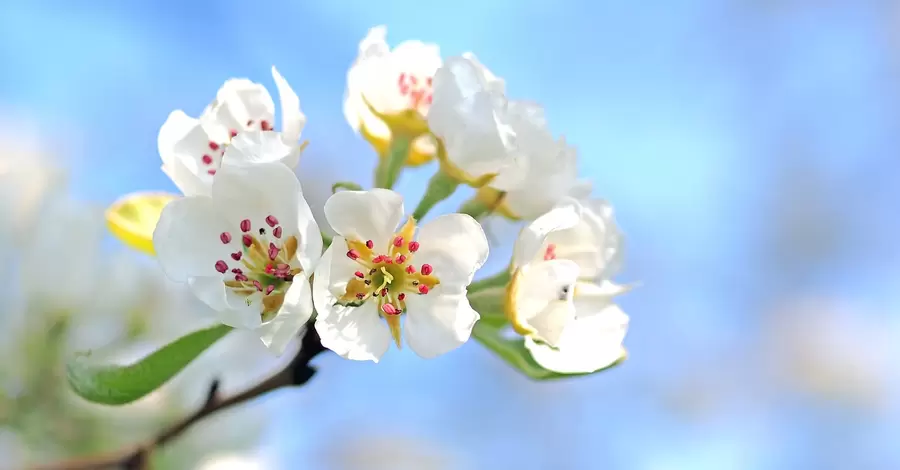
x,y
296,373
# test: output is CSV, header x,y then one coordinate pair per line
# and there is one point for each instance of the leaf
x,y
512,350
133,218
111,384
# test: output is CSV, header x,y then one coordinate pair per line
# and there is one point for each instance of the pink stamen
x,y
413,246
423,289
245,225
384,292
237,271
378,259
401,259
269,289
237,255
550,252
264,125
401,297
247,240
398,242
213,145
410,269
277,232
221,266
240,278
225,237
359,274
353,254
370,244
273,251
211,172
207,160
272,221
233,133
389,309
427,269
257,285
360,296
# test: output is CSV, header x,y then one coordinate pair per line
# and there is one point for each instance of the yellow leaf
x,y
133,218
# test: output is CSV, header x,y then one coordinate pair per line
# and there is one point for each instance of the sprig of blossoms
x,y
245,242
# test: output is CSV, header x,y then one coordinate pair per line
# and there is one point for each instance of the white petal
x,y
587,345
438,322
356,333
455,246
277,333
182,142
595,243
365,215
231,309
186,238
544,297
551,175
531,240
257,191
292,117
470,117
240,101
252,147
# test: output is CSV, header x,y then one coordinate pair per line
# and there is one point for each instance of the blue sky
x,y
687,116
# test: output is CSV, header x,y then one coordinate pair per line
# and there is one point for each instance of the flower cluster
x,y
244,240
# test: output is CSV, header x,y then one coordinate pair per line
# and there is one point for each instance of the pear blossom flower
x,y
247,250
192,149
550,168
392,81
374,272
560,297
471,115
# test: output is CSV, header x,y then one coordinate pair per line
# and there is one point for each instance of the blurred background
x,y
750,148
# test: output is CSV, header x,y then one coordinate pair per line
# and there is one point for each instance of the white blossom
x,y
374,272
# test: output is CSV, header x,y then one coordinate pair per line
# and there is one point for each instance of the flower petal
x,y
182,142
230,308
455,246
542,297
296,311
439,322
356,333
252,147
365,215
186,238
587,345
292,117
595,243
240,101
565,215
258,191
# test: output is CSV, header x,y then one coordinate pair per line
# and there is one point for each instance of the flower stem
x,y
474,208
440,187
345,185
500,279
391,165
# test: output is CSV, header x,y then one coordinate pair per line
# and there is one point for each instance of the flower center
x,y
417,89
263,265
212,158
388,275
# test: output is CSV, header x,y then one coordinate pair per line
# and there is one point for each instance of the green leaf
x,y
512,350
117,384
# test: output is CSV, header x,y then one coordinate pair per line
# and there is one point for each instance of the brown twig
x,y
298,372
